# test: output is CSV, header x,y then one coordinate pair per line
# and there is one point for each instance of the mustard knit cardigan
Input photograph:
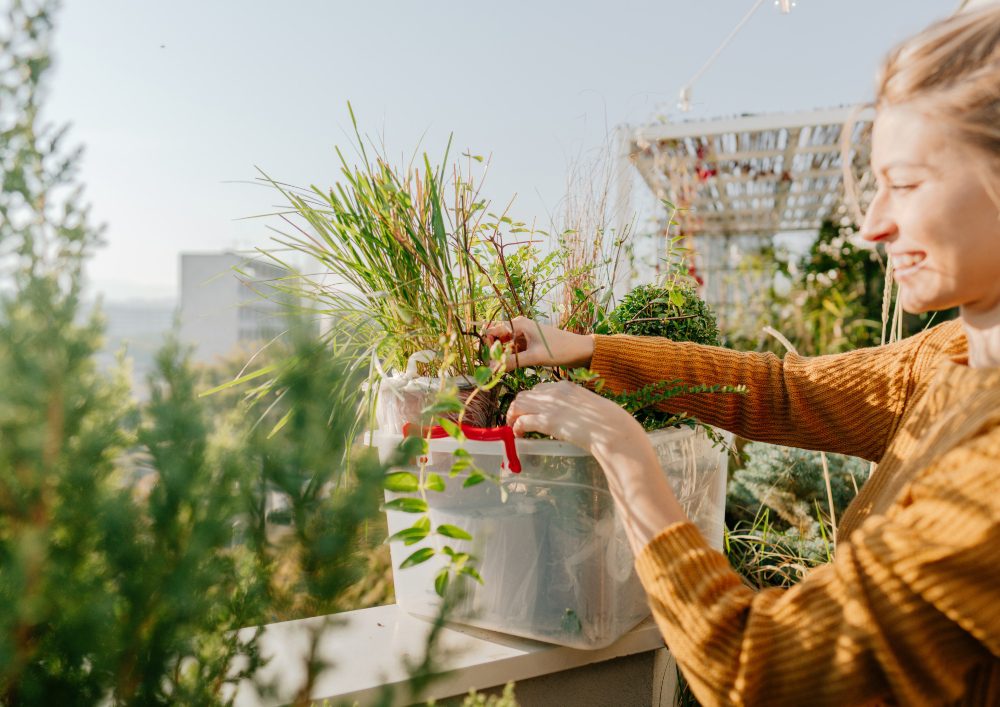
x,y
908,612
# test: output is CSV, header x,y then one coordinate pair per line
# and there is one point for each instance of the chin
x,y
917,308
911,306
914,304
924,307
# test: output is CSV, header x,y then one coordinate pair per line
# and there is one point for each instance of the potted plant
x,y
396,252
415,273
553,559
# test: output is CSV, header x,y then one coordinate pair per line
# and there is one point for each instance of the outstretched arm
x,y
848,403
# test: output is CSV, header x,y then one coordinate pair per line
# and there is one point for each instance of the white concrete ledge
x,y
367,648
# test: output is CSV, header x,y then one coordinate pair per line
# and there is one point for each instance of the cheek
x,y
967,214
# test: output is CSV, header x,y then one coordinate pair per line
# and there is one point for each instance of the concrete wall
x,y
641,680
225,305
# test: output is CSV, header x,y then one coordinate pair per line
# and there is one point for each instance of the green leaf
x,y
459,466
470,571
483,375
424,523
453,430
473,479
409,536
444,407
434,483
676,298
242,379
413,446
453,531
280,424
407,505
401,482
441,581
420,556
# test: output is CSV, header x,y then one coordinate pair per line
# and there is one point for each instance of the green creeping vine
x,y
447,402
641,403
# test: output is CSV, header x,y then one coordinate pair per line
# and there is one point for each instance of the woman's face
x,y
933,215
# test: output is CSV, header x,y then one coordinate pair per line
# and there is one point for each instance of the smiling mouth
x,y
908,261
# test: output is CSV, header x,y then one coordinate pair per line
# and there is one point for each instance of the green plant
x,y
642,403
419,273
133,596
842,284
460,564
505,699
414,487
134,540
777,528
114,592
769,555
830,299
399,250
674,311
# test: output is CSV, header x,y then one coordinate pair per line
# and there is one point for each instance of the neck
x,y
982,329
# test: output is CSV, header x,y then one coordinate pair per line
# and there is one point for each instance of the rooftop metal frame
x,y
755,174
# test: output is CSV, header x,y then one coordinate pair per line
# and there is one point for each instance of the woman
x,y
908,612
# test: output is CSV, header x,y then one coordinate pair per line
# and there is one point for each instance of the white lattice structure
x,y
740,181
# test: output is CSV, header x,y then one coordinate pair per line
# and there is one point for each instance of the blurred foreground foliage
x,y
134,542
134,539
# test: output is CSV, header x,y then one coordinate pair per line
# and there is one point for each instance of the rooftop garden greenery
x,y
136,538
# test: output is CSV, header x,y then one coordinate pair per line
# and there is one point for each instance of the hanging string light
x,y
684,101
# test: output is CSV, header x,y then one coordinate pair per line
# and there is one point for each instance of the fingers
x,y
514,340
543,398
497,332
529,423
528,413
517,407
504,332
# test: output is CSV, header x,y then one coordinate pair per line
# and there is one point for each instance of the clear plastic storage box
x,y
555,562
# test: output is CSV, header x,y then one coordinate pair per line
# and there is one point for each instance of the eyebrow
x,y
899,164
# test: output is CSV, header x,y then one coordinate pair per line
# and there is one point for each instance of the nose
x,y
879,226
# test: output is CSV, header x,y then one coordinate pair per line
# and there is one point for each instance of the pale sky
x,y
178,102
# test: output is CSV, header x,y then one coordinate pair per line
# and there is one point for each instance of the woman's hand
x,y
572,413
532,344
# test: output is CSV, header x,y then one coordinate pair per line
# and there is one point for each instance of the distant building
x,y
136,328
229,302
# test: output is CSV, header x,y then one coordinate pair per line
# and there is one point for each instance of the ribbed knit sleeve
x,y
909,611
848,403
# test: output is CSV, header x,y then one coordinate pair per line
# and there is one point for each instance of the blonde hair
x,y
951,73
